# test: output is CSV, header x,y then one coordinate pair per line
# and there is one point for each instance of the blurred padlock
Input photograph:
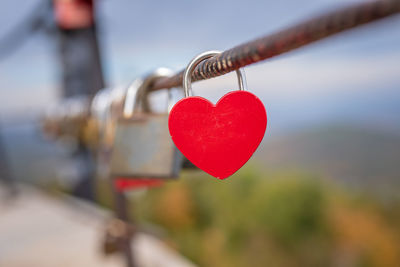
x,y
67,118
106,107
142,145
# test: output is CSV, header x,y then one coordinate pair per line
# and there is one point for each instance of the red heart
x,y
221,138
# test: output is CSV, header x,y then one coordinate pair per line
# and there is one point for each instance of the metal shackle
x,y
138,90
187,74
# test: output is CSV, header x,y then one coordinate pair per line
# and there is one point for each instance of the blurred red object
x,y
122,184
74,14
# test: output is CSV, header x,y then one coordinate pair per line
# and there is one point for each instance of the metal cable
x,y
286,40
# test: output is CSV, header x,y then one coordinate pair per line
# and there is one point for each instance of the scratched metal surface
x,y
143,148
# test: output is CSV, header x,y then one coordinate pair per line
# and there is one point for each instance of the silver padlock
x,y
142,145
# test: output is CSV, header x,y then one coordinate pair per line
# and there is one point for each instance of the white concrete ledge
x,y
44,231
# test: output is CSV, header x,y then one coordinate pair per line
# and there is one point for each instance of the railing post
x,y
122,213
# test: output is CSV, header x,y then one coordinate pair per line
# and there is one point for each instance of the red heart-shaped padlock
x,y
221,138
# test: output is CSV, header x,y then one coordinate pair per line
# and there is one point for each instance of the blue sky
x,y
351,77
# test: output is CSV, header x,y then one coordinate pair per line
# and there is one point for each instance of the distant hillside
x,y
349,154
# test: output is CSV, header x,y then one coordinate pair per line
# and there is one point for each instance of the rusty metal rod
x,y
286,40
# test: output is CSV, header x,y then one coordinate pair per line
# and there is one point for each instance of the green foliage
x,y
284,218
290,210
246,211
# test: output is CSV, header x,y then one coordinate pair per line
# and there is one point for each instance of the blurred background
x,y
321,190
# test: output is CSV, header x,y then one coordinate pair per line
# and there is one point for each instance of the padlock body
x,y
143,148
